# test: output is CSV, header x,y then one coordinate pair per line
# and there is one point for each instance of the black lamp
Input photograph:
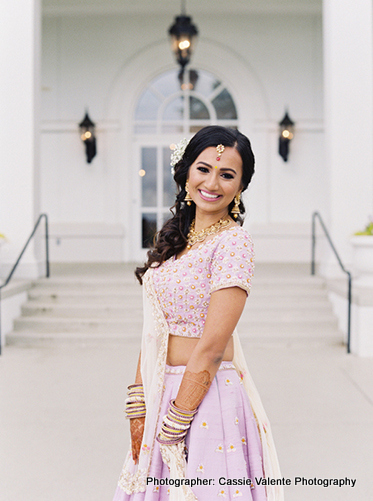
x,y
286,135
183,33
87,134
191,80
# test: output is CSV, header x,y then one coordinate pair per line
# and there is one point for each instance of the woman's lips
x,y
209,197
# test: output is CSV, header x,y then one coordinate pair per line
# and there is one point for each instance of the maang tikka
x,y
236,208
188,199
220,148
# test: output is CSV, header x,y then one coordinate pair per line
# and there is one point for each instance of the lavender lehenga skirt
x,y
224,449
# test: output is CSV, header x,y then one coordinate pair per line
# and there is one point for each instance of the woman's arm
x,y
137,424
224,311
138,378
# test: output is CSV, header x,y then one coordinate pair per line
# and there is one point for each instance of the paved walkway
x,y
63,435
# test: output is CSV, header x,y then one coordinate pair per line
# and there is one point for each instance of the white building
x,y
254,59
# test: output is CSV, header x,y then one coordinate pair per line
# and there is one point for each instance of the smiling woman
x,y
195,415
213,184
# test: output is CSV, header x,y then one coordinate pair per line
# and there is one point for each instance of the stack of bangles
x,y
135,403
175,425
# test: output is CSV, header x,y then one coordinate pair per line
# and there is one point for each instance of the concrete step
x,y
122,294
83,310
123,289
288,291
125,280
288,330
288,302
122,323
287,279
293,325
259,310
87,282
52,324
34,338
66,295
284,315
103,307
253,333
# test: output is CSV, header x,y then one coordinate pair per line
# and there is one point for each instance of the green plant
x,y
368,229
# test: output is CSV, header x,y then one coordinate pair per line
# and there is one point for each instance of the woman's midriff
x,y
181,348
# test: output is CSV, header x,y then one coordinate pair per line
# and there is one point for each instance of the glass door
x,y
168,110
157,191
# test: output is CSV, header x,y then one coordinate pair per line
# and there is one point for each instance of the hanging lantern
x,y
188,79
87,135
183,34
286,135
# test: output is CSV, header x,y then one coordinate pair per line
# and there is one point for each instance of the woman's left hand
x,y
137,432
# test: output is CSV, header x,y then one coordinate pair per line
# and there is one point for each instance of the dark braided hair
x,y
172,238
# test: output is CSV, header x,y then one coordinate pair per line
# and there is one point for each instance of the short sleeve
x,y
232,263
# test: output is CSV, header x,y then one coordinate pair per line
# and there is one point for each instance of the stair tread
x,y
246,336
251,304
108,307
53,323
131,280
46,319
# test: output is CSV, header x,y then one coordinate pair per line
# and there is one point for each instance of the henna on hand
x,y
137,431
193,389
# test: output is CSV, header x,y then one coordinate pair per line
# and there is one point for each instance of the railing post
x,y
314,215
47,270
313,243
46,245
349,314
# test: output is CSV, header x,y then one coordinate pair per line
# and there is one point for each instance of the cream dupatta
x,y
154,344
153,360
271,467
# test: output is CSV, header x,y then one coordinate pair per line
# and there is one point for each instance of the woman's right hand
x,y
137,432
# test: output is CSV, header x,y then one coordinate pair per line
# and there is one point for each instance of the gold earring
x,y
236,208
188,199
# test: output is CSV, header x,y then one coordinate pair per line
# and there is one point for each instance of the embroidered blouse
x,y
184,286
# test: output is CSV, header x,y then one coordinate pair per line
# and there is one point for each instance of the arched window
x,y
170,108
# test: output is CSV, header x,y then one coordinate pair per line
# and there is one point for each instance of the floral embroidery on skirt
x,y
223,445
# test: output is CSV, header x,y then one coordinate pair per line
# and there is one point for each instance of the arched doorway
x,y
170,108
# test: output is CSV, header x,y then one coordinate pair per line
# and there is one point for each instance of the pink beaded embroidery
x,y
226,260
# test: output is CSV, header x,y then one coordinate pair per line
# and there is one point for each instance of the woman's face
x,y
213,184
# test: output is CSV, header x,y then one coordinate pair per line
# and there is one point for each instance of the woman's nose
x,y
212,183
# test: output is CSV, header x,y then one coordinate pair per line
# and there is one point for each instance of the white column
x,y
348,79
348,93
19,128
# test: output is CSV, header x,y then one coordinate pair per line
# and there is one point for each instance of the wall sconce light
x,y
87,134
286,135
183,34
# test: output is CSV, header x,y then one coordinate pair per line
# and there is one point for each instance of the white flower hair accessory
x,y
178,153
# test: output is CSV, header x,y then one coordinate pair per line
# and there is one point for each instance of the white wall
x,y
20,31
267,61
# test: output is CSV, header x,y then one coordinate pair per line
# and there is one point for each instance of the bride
x,y
198,428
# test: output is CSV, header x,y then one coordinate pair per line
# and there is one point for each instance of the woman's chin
x,y
209,209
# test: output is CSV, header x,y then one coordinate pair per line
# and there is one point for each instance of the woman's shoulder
x,y
232,262
233,235
233,242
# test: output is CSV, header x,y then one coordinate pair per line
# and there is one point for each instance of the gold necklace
x,y
198,236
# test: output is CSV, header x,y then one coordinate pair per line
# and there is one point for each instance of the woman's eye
x,y
227,176
203,169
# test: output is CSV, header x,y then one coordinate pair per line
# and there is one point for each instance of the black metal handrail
x,y
45,216
318,216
